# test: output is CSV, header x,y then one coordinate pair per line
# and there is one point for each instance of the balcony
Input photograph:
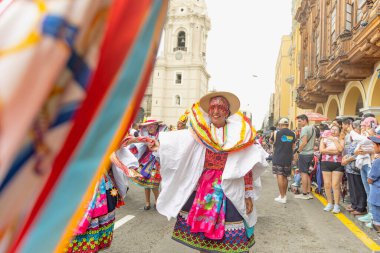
x,y
352,56
180,49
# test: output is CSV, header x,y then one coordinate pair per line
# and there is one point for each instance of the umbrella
x,y
314,116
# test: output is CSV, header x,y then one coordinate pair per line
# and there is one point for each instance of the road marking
x,y
352,227
122,221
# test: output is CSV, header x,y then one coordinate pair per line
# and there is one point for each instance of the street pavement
x,y
300,226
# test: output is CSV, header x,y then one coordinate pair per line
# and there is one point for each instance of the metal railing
x,y
180,49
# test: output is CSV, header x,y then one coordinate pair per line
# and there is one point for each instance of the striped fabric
x,y
73,76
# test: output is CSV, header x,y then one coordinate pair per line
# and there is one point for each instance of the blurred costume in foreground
x,y
73,75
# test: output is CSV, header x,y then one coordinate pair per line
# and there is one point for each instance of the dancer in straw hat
x,y
147,174
210,176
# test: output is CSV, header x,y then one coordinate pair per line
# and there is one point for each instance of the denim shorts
x,y
304,162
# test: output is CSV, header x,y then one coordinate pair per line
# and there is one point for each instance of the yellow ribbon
x,y
32,38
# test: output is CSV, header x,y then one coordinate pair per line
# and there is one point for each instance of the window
x,y
361,3
333,25
177,100
181,39
359,11
317,48
348,26
178,78
181,42
332,29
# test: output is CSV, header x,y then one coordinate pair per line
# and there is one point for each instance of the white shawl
x,y
182,163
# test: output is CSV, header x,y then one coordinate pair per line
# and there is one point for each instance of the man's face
x,y
218,111
301,123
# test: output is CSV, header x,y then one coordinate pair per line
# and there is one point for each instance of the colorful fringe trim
x,y
97,237
234,240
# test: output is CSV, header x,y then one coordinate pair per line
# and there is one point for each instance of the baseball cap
x,y
375,139
284,121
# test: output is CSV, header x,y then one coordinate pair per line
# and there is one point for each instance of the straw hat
x,y
232,99
150,121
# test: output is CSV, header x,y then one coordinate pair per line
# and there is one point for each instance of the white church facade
x,y
180,76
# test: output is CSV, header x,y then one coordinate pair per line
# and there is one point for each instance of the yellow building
x,y
282,95
339,59
294,77
288,75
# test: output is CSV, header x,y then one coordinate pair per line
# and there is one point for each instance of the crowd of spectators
x,y
345,149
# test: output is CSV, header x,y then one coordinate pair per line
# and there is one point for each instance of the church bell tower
x,y
180,77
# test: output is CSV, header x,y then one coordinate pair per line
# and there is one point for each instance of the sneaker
x,y
295,184
328,207
310,196
369,225
301,196
279,197
366,218
336,209
281,200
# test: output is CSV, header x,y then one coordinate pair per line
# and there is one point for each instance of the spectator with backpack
x,y
283,145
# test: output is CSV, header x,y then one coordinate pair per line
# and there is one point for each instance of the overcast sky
x,y
244,40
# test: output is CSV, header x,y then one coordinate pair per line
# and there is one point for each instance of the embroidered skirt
x,y
98,236
235,237
151,183
150,172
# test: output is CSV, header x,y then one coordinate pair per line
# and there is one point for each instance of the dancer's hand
x,y
249,205
154,145
129,140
